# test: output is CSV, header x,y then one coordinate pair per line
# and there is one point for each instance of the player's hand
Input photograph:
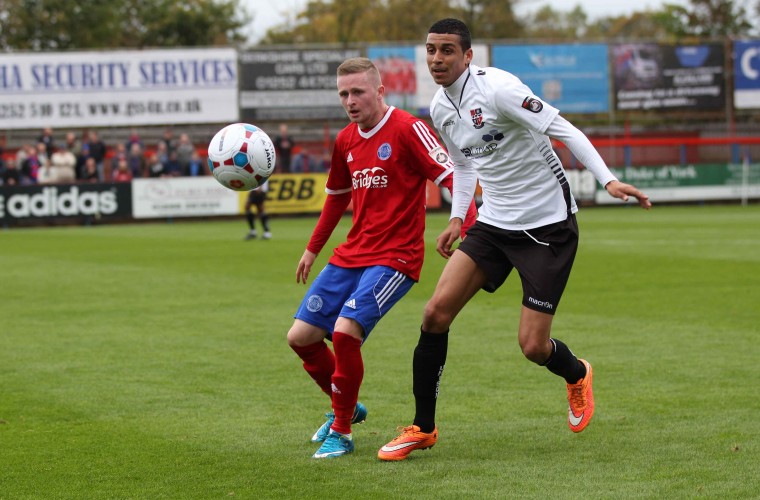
x,y
448,237
304,266
622,190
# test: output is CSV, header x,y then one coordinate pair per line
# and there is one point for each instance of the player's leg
x,y
347,375
313,323
345,382
459,281
308,342
545,261
538,346
250,217
378,289
349,372
264,218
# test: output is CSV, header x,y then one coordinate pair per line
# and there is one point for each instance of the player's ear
x,y
468,56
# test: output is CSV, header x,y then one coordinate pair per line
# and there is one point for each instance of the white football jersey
x,y
494,129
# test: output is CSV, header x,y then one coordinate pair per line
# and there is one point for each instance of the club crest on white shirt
x,y
477,117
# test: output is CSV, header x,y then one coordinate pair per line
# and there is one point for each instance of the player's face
x,y
362,97
445,58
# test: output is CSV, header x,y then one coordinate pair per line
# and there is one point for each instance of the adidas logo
x,y
350,303
350,158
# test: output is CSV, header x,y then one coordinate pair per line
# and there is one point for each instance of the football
x,y
241,156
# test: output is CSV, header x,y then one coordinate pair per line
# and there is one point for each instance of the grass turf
x,y
149,361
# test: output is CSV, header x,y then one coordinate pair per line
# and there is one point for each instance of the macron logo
x,y
541,303
350,303
350,158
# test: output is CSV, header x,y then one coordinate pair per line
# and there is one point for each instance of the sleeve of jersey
x,y
335,206
338,197
515,100
441,168
434,163
581,147
472,210
465,181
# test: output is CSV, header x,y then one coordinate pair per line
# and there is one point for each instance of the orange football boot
x,y
410,439
580,395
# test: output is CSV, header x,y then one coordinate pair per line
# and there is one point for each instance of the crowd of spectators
x,y
86,158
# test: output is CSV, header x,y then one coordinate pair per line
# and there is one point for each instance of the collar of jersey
x,y
455,91
369,133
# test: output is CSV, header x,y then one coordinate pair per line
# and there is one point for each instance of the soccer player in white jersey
x,y
497,132
381,163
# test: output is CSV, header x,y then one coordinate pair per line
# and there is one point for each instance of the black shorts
x,y
543,256
256,197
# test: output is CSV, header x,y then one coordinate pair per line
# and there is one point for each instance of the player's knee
x,y
297,337
436,318
538,352
302,334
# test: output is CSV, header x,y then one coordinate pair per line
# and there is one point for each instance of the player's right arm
x,y
338,188
462,203
436,165
333,210
304,266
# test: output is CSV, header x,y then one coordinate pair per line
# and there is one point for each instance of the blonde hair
x,y
359,65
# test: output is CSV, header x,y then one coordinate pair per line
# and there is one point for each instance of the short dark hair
x,y
451,26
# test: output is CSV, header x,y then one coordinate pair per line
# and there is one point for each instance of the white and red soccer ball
x,y
241,156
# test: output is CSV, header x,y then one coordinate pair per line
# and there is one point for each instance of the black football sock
x,y
563,362
264,222
250,218
427,368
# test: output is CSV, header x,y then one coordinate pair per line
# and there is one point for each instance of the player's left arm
x,y
585,152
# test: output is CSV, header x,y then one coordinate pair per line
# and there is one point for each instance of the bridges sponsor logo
x,y
370,178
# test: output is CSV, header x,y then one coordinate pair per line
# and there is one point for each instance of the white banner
x,y
182,197
118,88
746,74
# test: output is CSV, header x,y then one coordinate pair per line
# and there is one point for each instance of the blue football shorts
x,y
364,294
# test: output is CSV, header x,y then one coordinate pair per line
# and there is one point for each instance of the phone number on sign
x,y
78,109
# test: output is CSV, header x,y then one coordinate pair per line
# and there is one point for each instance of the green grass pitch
x,y
149,361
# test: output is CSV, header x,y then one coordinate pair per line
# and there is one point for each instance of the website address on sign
x,y
80,110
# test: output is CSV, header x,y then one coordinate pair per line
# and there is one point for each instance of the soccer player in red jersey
x,y
381,163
